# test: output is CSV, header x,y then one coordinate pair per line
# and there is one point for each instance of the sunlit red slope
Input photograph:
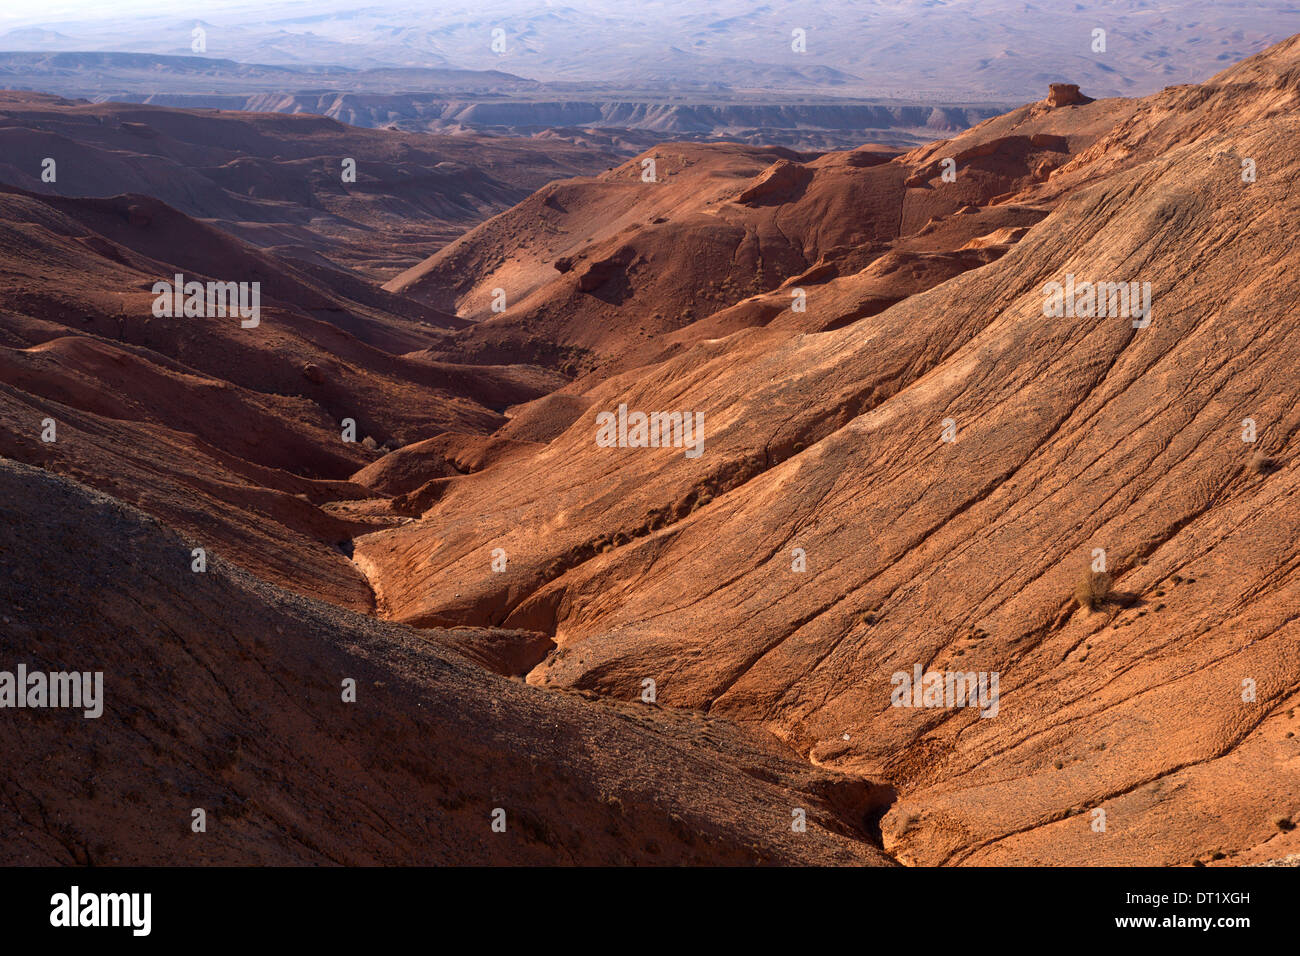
x,y
1073,434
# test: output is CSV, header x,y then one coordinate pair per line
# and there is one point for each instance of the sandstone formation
x,y
1065,94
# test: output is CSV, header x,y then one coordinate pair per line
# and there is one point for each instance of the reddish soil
x,y
502,585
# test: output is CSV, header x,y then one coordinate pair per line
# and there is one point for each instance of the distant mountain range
x,y
1002,50
448,100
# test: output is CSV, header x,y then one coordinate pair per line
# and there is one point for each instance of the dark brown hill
x,y
224,694
276,180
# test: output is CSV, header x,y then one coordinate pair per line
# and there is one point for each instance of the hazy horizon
x,y
957,49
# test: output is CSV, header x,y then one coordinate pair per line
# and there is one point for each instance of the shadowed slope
x,y
277,180
233,435
223,693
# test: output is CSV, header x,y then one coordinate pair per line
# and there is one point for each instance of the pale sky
x,y
51,11
15,12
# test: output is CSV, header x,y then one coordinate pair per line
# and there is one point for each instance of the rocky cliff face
x,y
1066,94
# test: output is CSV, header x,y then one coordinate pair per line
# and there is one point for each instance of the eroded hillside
x,y
1169,706
906,460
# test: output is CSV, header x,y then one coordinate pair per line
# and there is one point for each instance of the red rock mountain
x,y
922,470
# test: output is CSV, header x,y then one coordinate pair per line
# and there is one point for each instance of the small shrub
x,y
1093,590
1262,464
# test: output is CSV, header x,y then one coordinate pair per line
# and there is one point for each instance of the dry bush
x,y
1093,589
1262,464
